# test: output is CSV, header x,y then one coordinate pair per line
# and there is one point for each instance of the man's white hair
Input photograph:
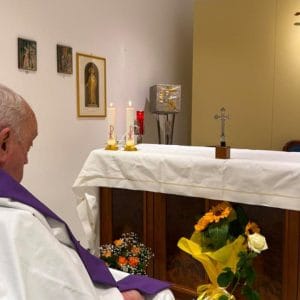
x,y
14,111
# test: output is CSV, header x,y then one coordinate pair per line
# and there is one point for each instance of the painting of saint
x,y
91,75
91,85
27,54
64,59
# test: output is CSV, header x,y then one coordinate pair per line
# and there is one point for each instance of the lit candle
x,y
129,122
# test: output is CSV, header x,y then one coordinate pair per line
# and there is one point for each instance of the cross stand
x,y
222,151
165,127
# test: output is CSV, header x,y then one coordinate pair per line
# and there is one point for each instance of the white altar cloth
x,y
258,177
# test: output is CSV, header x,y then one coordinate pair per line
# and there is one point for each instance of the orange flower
x,y
106,253
135,250
122,260
251,228
133,261
118,243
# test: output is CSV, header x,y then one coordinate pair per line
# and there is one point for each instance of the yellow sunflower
x,y
221,211
214,215
204,221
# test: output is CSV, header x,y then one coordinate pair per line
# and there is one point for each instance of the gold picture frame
x,y
91,85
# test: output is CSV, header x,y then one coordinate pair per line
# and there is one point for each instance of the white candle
x,y
111,115
111,119
129,120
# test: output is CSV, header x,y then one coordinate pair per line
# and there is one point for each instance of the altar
x,y
160,190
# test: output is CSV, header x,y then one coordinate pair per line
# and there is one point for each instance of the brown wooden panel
x,y
148,200
127,212
149,240
182,215
291,258
298,272
105,207
298,295
160,236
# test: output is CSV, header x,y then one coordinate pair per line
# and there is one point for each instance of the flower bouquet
x,y
225,242
127,254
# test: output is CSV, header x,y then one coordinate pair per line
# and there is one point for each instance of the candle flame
x,y
129,103
111,104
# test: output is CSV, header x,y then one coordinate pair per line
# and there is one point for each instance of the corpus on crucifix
x,y
223,118
222,151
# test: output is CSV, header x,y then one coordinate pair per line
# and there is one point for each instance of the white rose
x,y
257,242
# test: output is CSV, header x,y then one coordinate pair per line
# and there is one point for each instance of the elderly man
x,y
39,256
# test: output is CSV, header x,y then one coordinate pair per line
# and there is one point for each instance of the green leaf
x,y
216,235
250,275
205,241
245,260
225,278
249,293
223,297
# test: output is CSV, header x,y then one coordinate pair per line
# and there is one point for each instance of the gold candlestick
x,y
129,145
111,141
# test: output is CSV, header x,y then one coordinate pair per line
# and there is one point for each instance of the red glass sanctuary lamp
x,y
140,121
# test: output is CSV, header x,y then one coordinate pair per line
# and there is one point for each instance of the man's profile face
x,y
17,150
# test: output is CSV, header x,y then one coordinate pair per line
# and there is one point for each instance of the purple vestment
x,y
98,271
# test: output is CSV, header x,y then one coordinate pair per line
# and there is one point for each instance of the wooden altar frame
x,y
154,211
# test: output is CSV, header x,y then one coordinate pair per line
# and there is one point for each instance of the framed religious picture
x,y
64,59
91,85
27,55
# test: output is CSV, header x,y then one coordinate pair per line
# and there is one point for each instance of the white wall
x,y
144,42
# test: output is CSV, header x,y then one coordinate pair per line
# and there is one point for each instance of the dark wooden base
x,y
223,152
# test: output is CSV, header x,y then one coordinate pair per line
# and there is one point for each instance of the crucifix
x,y
223,118
222,151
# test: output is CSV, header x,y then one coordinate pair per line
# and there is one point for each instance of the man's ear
x,y
4,136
